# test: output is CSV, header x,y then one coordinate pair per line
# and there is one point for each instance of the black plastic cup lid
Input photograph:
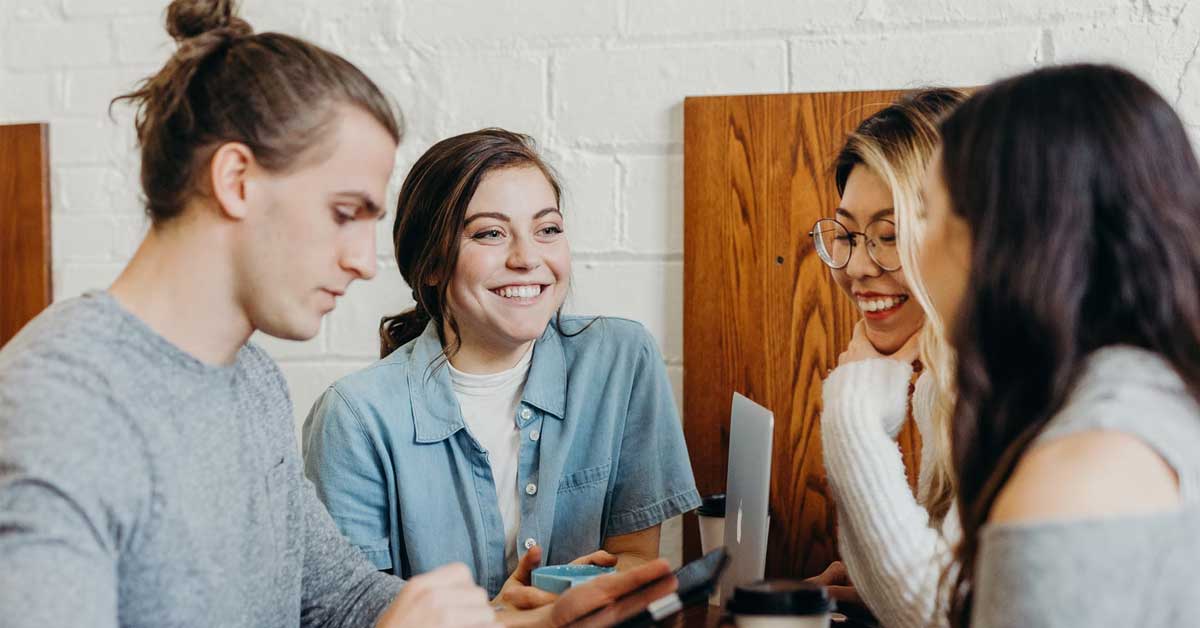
x,y
780,597
712,506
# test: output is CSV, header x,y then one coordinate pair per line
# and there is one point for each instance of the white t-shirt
x,y
489,406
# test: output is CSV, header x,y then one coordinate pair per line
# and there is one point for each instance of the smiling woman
x,y
513,266
865,223
457,201
894,543
495,430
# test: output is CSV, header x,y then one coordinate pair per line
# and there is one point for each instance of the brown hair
x,y
1081,192
274,93
430,216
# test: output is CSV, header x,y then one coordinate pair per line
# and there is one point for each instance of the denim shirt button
x,y
534,435
526,413
529,543
531,489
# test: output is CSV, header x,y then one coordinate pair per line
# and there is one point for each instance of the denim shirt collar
x,y
436,414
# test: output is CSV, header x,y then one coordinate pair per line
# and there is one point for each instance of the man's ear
x,y
228,169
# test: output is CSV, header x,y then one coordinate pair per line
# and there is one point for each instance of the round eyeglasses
x,y
835,243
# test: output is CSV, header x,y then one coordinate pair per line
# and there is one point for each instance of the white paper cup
x,y
712,536
764,621
712,533
711,515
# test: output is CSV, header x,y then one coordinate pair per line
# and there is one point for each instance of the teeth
x,y
519,292
881,303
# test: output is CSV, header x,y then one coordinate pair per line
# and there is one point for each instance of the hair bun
x,y
192,18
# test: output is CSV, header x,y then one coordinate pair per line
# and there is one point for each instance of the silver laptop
x,y
747,493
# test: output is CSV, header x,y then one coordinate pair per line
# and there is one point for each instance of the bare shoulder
x,y
1088,474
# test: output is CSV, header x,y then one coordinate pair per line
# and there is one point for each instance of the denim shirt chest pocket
x,y
579,511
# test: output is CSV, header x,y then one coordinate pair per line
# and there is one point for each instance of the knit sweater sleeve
x,y
893,555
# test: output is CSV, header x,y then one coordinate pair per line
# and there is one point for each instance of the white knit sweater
x,y
893,555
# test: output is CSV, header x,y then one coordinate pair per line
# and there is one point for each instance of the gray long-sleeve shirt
x,y
141,487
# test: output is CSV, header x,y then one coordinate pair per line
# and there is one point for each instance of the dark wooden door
x,y
25,287
762,316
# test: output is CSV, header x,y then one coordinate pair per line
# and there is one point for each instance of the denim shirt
x,y
602,454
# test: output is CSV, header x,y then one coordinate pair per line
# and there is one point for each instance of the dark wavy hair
x,y
1082,197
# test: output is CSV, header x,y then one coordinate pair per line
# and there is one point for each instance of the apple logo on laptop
x,y
739,522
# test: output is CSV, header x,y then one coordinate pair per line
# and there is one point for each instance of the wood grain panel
x,y
762,316
25,285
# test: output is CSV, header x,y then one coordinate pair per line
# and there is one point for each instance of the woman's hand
x,y
860,348
611,596
518,591
446,596
601,601
836,581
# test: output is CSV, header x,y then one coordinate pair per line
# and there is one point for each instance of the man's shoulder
x,y
60,394
64,351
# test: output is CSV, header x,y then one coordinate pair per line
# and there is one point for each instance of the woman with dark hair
x,y
1063,221
495,430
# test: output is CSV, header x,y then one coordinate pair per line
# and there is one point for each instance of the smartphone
x,y
649,605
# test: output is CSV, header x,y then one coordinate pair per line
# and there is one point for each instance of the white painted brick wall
x,y
756,17
652,203
589,199
456,93
600,83
508,23
909,59
615,95
50,44
28,96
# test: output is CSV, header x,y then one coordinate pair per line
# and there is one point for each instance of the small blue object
x,y
559,578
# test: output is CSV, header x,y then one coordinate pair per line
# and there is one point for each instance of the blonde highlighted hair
x,y
896,144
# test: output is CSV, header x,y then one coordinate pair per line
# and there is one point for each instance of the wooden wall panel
x,y
25,287
762,316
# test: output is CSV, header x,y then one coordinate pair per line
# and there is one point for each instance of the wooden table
x,y
711,617
699,617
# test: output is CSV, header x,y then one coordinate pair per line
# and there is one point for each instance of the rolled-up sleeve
x,y
350,478
654,479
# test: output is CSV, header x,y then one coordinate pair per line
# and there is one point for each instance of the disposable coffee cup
x,y
781,604
711,515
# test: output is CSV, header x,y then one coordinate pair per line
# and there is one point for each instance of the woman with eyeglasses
x,y
895,544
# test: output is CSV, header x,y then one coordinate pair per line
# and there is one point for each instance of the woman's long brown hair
x,y
1082,197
